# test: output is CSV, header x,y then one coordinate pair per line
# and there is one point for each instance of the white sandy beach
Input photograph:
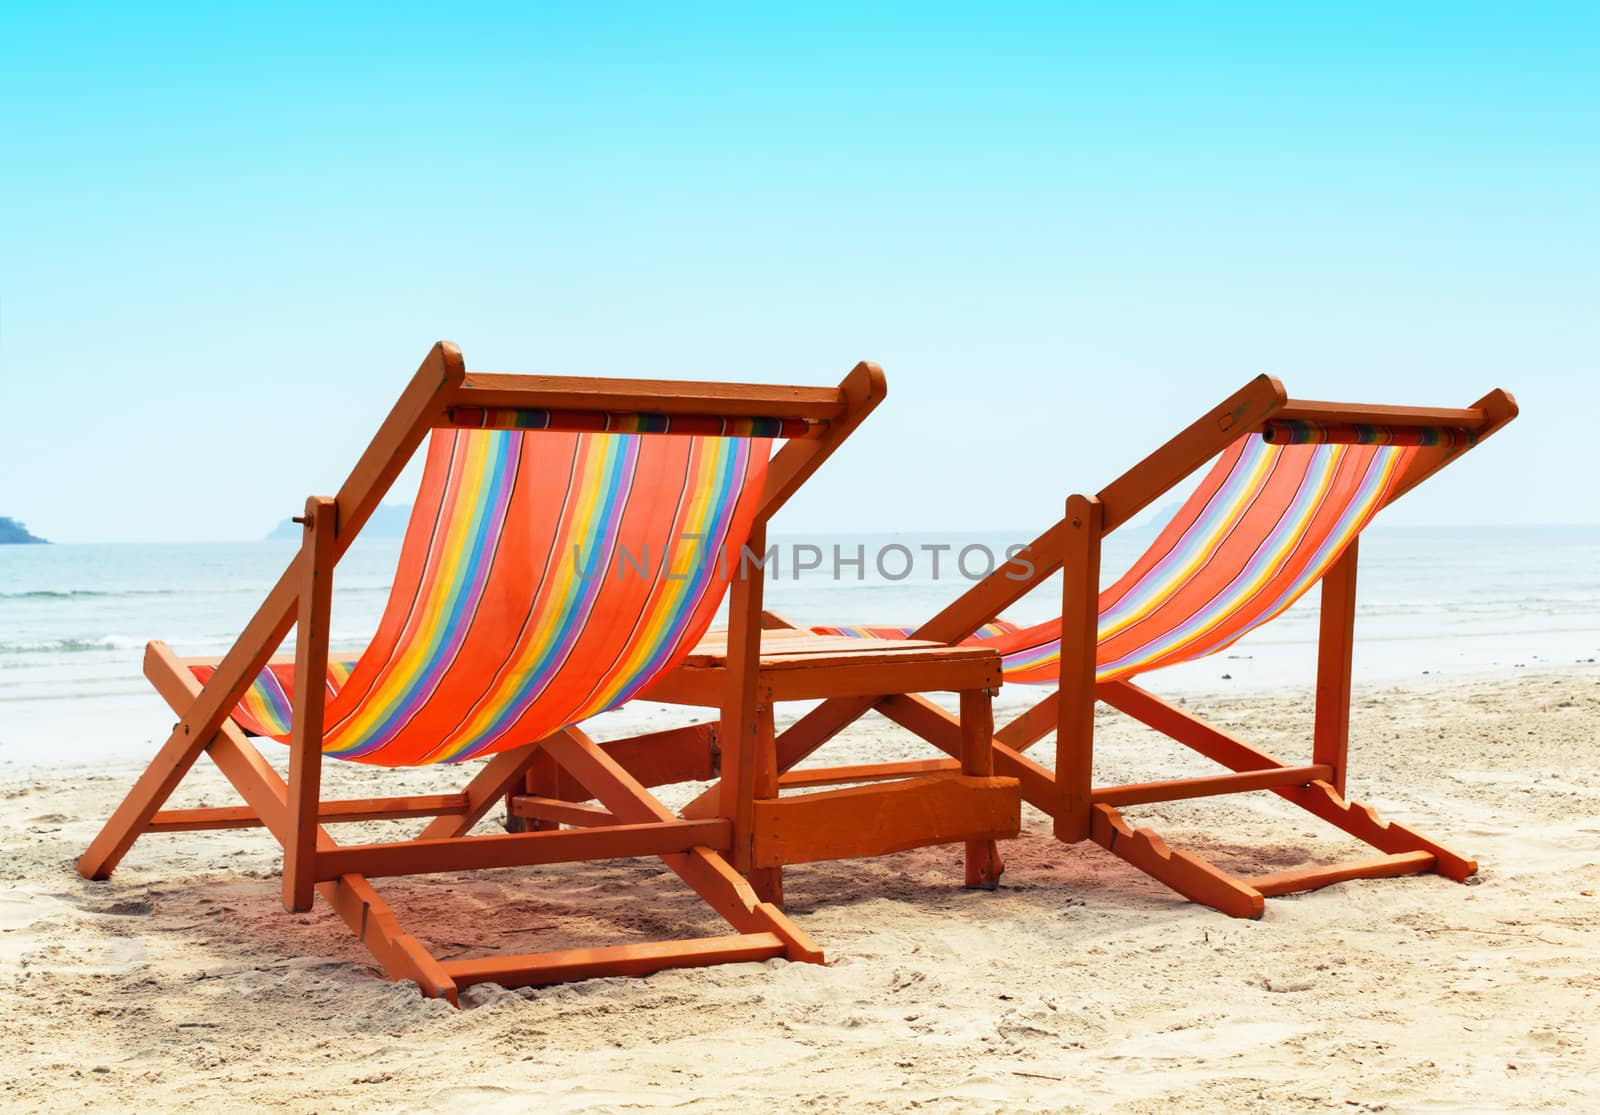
x,y
495,356
1081,984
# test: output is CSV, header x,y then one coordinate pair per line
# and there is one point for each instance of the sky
x,y
229,234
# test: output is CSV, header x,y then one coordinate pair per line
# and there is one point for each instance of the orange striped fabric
x,y
267,706
544,577
872,631
1265,524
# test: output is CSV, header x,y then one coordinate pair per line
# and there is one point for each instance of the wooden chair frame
x,y
629,821
1081,810
879,808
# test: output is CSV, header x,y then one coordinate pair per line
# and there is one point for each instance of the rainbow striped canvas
x,y
1265,524
544,577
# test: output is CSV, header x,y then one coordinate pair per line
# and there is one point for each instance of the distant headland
x,y
13,533
388,521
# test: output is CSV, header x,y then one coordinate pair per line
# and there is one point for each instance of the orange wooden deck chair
x,y
1294,484
525,600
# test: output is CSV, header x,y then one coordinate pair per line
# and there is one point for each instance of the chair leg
x,y
514,823
767,881
1362,822
310,698
1335,643
984,865
144,799
761,931
983,861
1189,875
544,778
768,884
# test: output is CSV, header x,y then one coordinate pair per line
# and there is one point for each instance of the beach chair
x,y
1293,485
570,545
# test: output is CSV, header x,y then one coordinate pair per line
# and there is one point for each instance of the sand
x,y
1081,984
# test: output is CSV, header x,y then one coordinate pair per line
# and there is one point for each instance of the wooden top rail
x,y
649,396
1263,401
1308,410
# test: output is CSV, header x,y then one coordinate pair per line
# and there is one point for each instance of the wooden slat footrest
x,y
1311,878
1239,782
538,808
328,813
878,820
869,772
1363,823
537,969
524,849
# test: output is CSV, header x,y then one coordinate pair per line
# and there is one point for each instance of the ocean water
x,y
74,618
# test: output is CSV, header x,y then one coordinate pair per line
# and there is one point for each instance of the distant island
x,y
388,521
13,533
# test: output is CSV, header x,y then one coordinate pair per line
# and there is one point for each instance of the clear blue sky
x,y
228,236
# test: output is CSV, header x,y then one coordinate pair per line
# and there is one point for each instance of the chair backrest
x,y
564,550
544,577
1267,521
1293,482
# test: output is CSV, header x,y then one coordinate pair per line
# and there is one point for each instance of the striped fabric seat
x,y
873,631
267,708
544,577
1266,522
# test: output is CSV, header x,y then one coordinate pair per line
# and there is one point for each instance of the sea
x,y
1433,602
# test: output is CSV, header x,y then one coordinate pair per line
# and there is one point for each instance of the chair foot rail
x,y
523,849
538,969
1177,789
329,813
536,808
869,772
1313,878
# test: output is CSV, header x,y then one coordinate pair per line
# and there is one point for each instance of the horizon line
x,y
925,531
